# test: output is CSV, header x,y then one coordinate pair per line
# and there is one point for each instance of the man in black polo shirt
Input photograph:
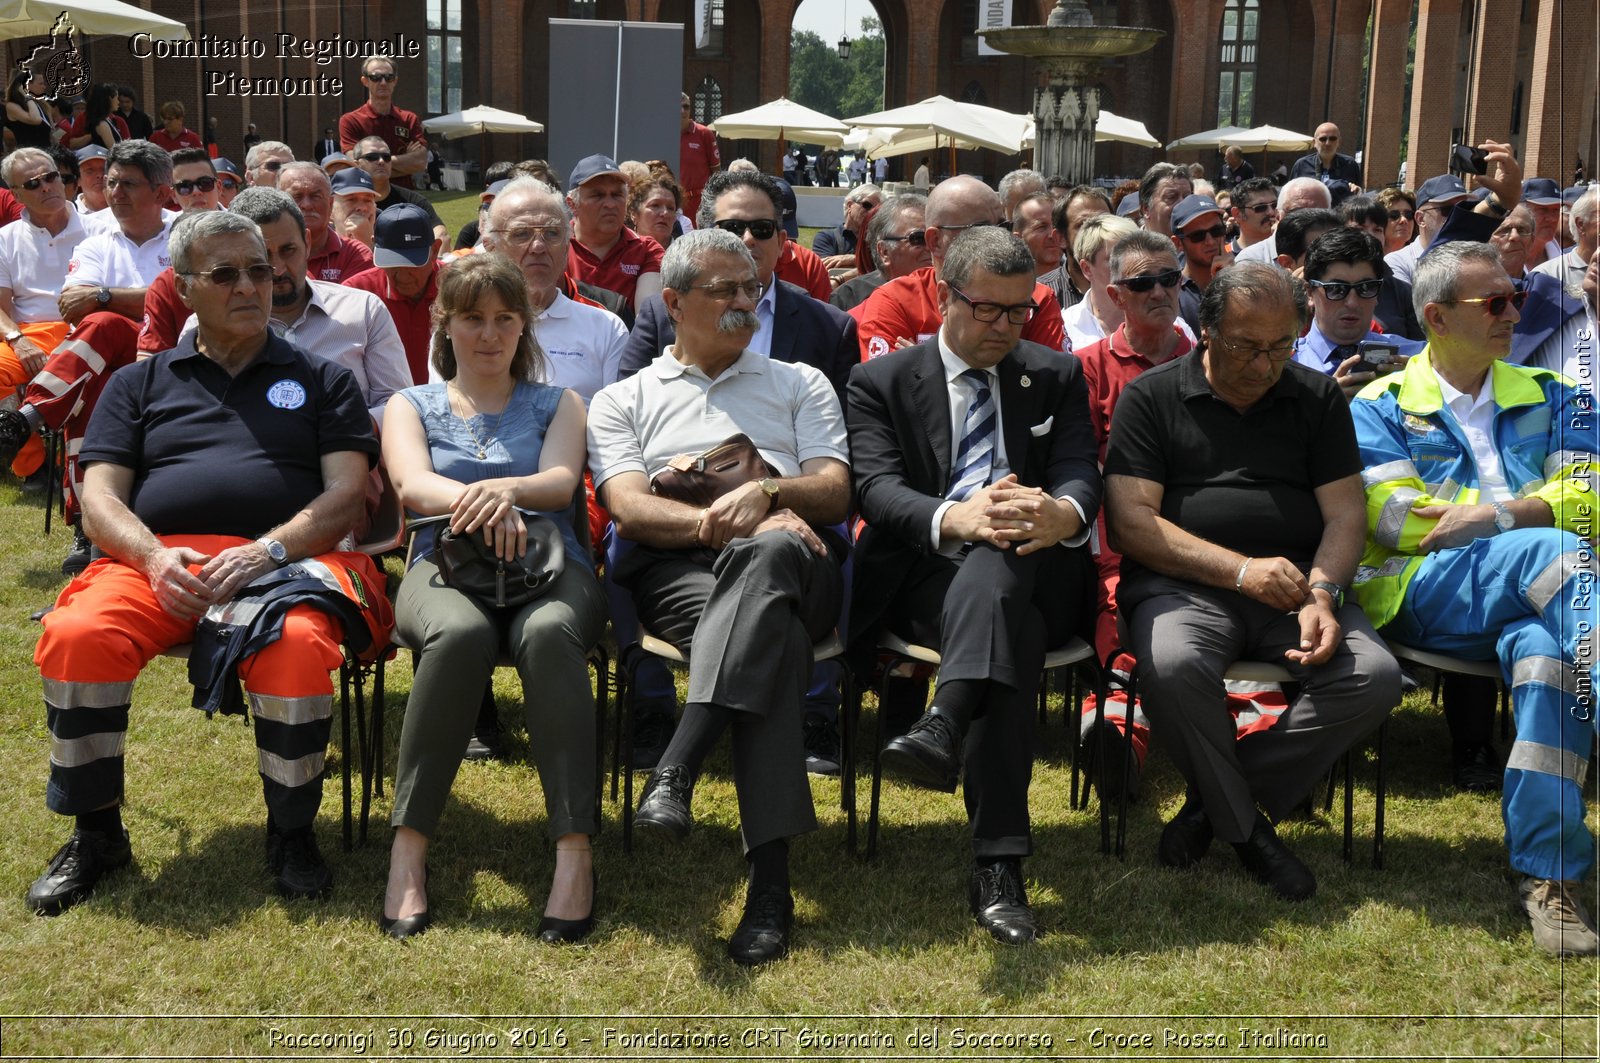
x,y
1233,489
208,466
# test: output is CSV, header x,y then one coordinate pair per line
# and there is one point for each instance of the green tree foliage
x,y
819,79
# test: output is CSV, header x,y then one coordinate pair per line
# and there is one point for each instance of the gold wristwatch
x,y
769,487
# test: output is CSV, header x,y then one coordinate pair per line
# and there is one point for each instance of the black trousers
x,y
993,614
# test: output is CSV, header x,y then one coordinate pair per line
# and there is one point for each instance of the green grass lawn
x,y
190,954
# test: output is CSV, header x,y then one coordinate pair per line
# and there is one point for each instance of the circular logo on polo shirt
x,y
877,347
287,395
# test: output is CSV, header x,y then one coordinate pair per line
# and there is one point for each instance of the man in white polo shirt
x,y
112,269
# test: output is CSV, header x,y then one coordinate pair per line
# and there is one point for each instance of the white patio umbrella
x,y
949,123
782,119
1109,128
1211,138
1269,138
93,18
480,119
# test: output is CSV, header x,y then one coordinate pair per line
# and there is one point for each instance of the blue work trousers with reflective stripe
x,y
1527,598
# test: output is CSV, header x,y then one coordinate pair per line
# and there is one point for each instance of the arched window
x,y
707,101
1236,86
444,56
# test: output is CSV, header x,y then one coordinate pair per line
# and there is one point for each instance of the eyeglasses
x,y
1259,209
519,237
988,313
228,276
1338,290
1216,232
728,290
204,184
1396,215
271,165
916,238
760,228
114,183
376,156
380,78
228,184
1495,304
1250,354
50,178
1507,231
1168,279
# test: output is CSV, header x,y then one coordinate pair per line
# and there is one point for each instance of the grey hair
x,y
1291,187
153,162
1017,180
889,214
861,193
741,165
1099,230
685,258
1258,283
526,186
253,157
305,167
1434,280
1583,210
193,226
266,205
9,165
1154,176
986,248
1140,241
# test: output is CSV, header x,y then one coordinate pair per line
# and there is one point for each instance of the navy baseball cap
x,y
1569,196
92,151
403,236
1445,186
488,194
350,181
338,160
1541,192
590,167
1192,207
1129,205
225,165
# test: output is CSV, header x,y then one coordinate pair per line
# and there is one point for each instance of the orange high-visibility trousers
x,y
47,336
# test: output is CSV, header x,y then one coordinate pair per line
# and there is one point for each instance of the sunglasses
x,y
1396,215
760,228
1327,140
376,156
1339,290
380,78
204,184
272,165
1262,208
32,185
916,238
228,276
228,184
1495,304
1216,232
1169,279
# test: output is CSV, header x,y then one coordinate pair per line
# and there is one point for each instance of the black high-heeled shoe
x,y
408,926
553,931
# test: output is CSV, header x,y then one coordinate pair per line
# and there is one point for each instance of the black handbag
x,y
469,564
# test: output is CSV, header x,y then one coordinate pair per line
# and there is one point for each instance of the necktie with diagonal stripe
x,y
975,454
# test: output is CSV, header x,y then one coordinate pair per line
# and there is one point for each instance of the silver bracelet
x,y
1238,581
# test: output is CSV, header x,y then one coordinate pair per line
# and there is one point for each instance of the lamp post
x,y
844,48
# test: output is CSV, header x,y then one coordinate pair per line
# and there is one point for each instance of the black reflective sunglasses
x,y
376,156
228,276
381,77
916,238
1396,215
1169,279
204,184
50,178
1216,232
760,228
273,165
1262,208
1338,291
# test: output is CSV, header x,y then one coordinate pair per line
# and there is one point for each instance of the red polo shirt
x,y
187,139
697,161
908,308
630,257
1108,365
164,315
412,317
399,129
340,260
802,266
10,207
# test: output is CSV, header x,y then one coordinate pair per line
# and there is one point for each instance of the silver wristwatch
x,y
275,550
1504,519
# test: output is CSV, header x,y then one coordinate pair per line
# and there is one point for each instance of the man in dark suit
x,y
974,467
794,327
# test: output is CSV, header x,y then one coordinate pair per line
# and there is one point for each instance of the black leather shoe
x,y
821,737
294,858
665,804
488,740
652,731
553,931
72,873
1000,903
15,431
408,927
1477,768
763,932
1266,857
929,754
1187,836
78,557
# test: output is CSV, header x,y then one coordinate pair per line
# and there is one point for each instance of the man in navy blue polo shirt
x,y
207,467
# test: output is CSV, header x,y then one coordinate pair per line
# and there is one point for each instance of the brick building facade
x,y
1522,69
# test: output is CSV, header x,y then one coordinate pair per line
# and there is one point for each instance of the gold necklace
x,y
466,401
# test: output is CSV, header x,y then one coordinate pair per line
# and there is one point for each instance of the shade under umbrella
x,y
782,119
93,18
480,119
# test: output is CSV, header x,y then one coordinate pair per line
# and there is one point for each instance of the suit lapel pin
x,y
1026,382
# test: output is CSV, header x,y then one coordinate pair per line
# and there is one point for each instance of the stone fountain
x,y
1071,49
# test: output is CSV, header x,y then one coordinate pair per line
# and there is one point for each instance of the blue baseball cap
x,y
590,167
225,165
402,236
350,181
1541,192
338,160
1192,207
1129,205
1445,186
